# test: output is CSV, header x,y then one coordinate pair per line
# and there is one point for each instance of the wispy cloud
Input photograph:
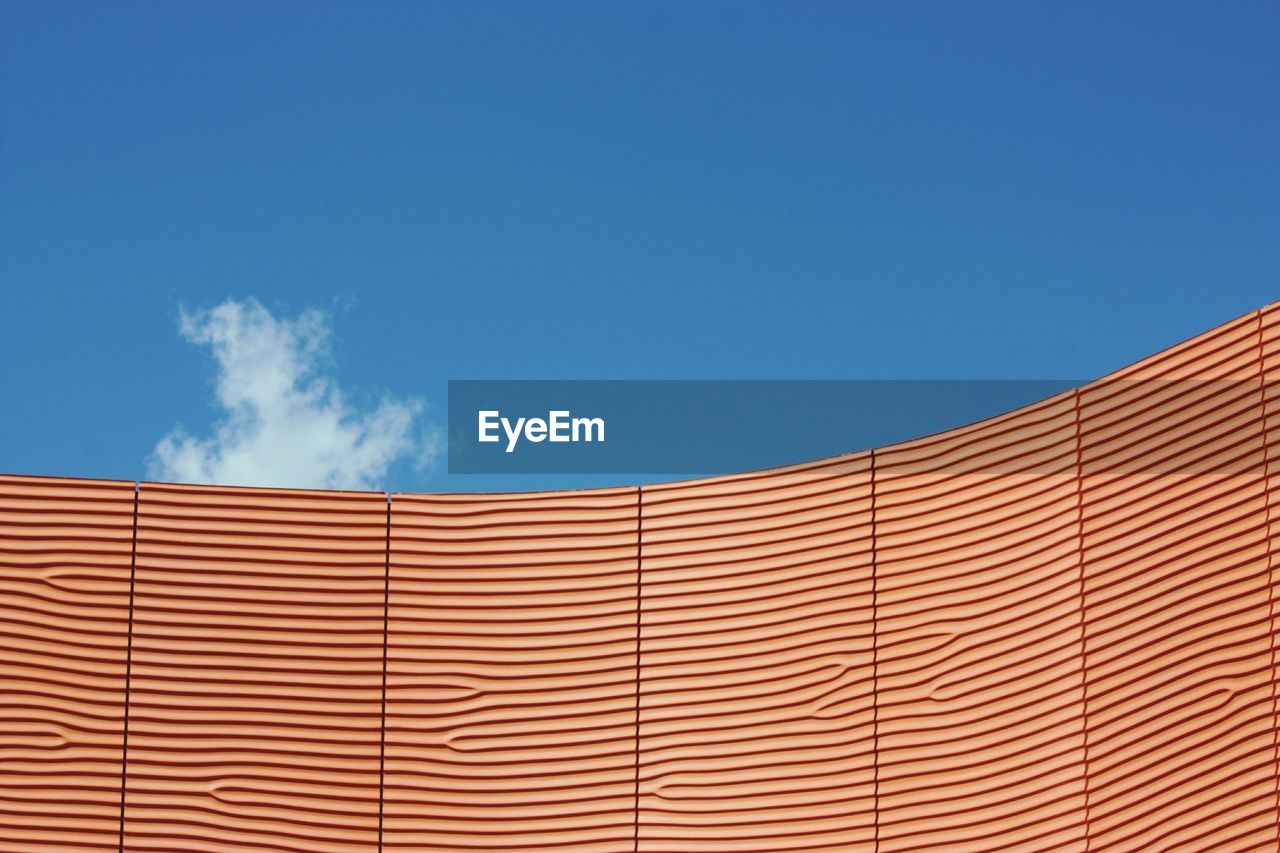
x,y
285,422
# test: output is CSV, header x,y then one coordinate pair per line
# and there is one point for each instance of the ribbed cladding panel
x,y
1176,596
64,625
512,672
255,702
1269,346
979,671
756,689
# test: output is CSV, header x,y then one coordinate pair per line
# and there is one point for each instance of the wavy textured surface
x,y
979,675
756,709
1051,630
1269,355
1176,591
256,690
511,672
64,626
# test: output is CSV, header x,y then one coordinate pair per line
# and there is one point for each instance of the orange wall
x,y
1052,630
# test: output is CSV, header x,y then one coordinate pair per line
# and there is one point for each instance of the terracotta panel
x,y
1178,652
756,708
64,625
1269,357
511,672
255,702
1052,630
979,676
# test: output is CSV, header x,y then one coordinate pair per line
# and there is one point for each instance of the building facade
x,y
1051,630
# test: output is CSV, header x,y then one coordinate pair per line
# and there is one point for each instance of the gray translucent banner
x,y
707,427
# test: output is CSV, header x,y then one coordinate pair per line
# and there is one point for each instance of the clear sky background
x,y
609,190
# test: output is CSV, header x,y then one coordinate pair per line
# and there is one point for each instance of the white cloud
x,y
285,422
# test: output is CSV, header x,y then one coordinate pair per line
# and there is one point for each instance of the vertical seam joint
x,y
875,657
1084,646
382,724
1270,579
128,663
636,733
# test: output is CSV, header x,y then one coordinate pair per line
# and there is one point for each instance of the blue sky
x,y
590,190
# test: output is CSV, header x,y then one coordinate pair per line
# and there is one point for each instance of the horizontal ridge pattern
x,y
1176,593
1053,630
979,672
255,700
511,672
756,705
65,549
1269,354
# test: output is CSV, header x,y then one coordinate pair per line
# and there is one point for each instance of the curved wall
x,y
1052,630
